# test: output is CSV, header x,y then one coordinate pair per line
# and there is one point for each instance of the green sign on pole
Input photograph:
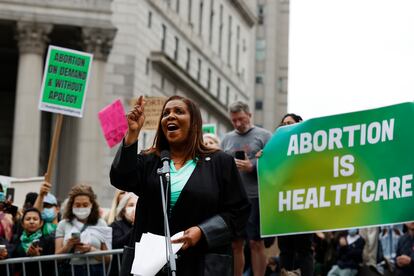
x,y
209,128
338,172
65,81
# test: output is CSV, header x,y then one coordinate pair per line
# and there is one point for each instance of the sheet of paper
x,y
150,254
113,123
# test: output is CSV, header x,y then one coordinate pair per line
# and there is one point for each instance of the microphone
x,y
165,171
165,159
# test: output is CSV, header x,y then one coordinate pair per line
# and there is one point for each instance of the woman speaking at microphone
x,y
206,198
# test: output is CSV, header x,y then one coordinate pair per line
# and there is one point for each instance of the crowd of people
x,y
212,196
44,226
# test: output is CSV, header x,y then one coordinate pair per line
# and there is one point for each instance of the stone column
x,y
91,145
32,39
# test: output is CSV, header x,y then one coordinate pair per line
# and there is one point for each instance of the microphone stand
x,y
169,252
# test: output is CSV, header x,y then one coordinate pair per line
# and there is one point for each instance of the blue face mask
x,y
1,196
352,232
48,214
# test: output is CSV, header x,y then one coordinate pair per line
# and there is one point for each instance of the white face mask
x,y
81,213
129,212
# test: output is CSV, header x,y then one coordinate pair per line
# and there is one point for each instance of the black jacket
x,y
121,233
405,247
47,243
213,199
350,256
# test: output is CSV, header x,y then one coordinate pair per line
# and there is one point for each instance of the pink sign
x,y
113,122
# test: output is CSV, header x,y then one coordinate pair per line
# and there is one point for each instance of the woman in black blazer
x,y
211,206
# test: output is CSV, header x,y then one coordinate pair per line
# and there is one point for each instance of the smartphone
x,y
75,235
10,194
11,209
240,155
35,243
2,247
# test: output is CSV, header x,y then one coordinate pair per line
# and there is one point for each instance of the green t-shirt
x,y
179,178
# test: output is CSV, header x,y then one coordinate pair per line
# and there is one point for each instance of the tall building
x,y
197,48
272,37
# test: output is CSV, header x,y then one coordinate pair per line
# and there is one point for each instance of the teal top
x,y
179,178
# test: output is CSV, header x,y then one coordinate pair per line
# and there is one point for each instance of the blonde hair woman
x,y
110,217
124,220
211,140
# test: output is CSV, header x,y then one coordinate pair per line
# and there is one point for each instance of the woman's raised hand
x,y
136,119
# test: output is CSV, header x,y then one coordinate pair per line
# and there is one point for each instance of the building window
x,y
177,42
200,19
259,105
260,14
229,43
190,7
187,66
177,6
209,79
238,49
218,88
282,84
199,70
259,79
164,37
147,66
220,30
149,19
210,30
227,95
260,49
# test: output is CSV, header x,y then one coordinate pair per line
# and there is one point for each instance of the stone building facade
x,y
272,45
200,49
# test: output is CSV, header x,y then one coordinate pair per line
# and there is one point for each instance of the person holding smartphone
x,y
243,143
32,242
82,230
5,248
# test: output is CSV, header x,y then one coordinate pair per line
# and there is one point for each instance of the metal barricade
x,y
115,253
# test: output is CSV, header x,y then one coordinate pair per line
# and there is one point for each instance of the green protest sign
x,y
65,81
209,128
337,172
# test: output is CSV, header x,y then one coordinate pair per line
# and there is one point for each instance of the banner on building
x,y
65,81
337,172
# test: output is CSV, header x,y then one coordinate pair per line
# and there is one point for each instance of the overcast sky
x,y
348,55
